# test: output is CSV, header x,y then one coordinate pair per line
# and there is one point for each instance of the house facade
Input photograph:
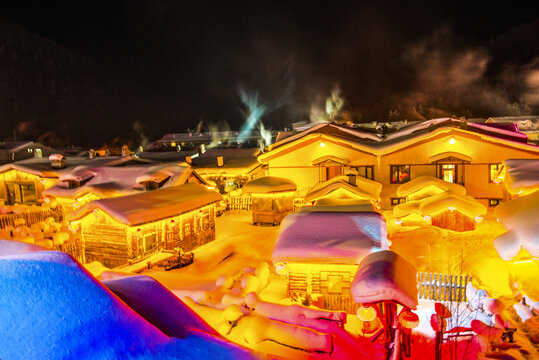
x,y
467,154
128,229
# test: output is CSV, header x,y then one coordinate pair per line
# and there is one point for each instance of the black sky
x,y
186,60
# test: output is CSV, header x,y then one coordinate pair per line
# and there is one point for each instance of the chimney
x,y
57,161
220,161
352,176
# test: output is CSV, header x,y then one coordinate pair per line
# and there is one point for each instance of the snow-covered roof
x,y
385,276
110,181
428,185
340,205
364,188
380,145
151,206
330,237
42,166
521,175
446,200
268,185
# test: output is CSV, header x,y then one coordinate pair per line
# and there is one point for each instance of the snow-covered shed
x,y
273,198
443,204
348,186
129,228
320,252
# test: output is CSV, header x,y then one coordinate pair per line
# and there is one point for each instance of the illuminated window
x,y
493,170
366,172
400,174
398,200
494,202
150,242
448,172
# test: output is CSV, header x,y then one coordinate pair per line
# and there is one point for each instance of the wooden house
x,y
319,249
127,229
273,199
440,203
450,149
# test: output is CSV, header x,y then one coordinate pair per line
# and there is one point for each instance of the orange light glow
x,y
322,144
452,141
366,313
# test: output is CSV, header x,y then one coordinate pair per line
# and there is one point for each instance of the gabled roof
x,y
369,142
269,185
364,188
151,206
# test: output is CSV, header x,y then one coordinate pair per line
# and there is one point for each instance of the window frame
x,y
391,167
490,179
367,168
497,200
397,200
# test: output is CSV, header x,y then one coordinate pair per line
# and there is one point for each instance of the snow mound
x,y
519,217
385,276
269,184
13,247
330,237
158,305
521,175
53,309
340,205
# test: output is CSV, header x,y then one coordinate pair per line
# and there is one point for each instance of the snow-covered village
x,y
327,219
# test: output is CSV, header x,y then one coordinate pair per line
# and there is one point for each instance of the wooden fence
x,y
442,287
239,203
31,217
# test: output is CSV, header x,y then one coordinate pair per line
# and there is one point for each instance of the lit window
x,y
449,172
494,202
398,200
400,174
335,284
493,171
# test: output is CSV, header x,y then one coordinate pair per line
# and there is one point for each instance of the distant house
x,y
120,177
11,151
230,166
127,229
454,150
319,250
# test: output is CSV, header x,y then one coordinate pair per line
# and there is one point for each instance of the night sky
x,y
87,72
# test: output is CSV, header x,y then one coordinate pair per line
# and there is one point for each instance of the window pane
x,y
28,193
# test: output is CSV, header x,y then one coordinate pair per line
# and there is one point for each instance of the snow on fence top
x,y
268,185
342,238
466,205
151,205
385,276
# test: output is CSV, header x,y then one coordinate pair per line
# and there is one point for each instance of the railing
x,y
31,217
442,287
239,203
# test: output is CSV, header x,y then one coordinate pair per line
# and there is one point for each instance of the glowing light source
x,y
426,218
366,313
478,219
281,269
451,208
73,227
322,144
523,261
398,221
452,141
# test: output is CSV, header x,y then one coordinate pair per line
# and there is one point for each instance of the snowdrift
x,y
385,276
363,189
268,185
521,175
53,309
